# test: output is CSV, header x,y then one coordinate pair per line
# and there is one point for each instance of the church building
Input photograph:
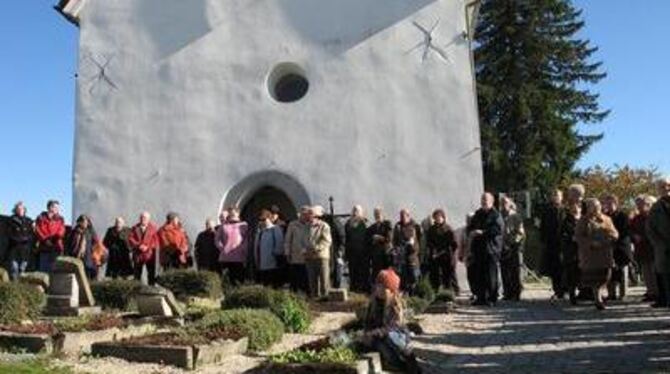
x,y
195,105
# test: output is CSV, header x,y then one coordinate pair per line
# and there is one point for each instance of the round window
x,y
287,83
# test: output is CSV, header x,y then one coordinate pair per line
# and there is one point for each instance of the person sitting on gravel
x,y
385,329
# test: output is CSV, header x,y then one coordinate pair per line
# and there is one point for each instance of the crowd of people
x,y
589,244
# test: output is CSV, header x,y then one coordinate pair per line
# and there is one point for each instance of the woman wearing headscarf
x,y
595,235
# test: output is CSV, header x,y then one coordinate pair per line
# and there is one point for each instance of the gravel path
x,y
536,336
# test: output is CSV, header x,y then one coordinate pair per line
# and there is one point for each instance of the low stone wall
x,y
75,343
187,357
29,343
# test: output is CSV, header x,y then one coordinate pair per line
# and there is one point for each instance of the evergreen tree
x,y
533,75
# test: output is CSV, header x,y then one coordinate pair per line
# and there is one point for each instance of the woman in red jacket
x,y
173,243
143,241
50,231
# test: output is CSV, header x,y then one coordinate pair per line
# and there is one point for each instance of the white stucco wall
x,y
182,113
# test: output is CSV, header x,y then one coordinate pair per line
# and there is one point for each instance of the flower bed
x,y
183,348
68,336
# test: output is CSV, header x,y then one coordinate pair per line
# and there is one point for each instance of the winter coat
x,y
148,238
268,244
569,247
407,241
379,248
206,253
550,234
490,243
21,237
595,238
173,239
233,242
79,244
118,248
623,250
296,242
50,233
644,252
441,243
356,250
658,231
319,241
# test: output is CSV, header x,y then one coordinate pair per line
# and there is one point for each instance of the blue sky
x,y
37,68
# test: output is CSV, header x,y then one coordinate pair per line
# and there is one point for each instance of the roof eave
x,y
70,9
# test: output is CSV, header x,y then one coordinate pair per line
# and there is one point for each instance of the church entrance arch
x,y
264,189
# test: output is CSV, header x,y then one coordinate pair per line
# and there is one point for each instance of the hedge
x,y
116,293
19,302
191,283
262,327
291,309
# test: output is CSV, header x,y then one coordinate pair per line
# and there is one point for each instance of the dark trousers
x,y
663,280
472,278
570,279
486,278
235,271
510,267
557,283
410,278
442,273
298,278
268,277
151,271
359,275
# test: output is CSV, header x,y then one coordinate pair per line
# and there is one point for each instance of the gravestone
x,y
4,276
157,301
63,293
71,265
69,291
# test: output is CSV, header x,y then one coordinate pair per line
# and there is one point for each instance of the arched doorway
x,y
265,198
263,189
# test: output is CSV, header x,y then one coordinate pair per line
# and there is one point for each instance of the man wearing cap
x,y
295,247
317,255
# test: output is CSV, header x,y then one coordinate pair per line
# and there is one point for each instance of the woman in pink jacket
x,y
232,241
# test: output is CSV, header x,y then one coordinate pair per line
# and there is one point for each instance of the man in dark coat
x,y
380,239
486,233
20,236
407,250
116,242
441,245
206,252
623,248
550,233
356,251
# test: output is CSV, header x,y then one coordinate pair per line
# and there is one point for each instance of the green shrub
x,y
19,302
424,290
291,309
262,327
191,283
445,296
294,314
417,305
330,355
116,293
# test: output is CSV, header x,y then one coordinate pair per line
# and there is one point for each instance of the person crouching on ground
x,y
385,330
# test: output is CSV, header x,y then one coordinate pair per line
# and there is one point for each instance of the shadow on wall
x,y
341,24
173,24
